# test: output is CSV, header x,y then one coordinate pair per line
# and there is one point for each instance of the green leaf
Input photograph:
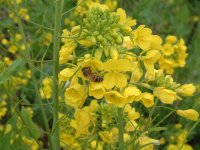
x,y
157,129
7,73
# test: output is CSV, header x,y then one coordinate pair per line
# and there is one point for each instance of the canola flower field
x,y
99,74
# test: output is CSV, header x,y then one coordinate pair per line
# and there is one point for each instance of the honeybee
x,y
93,76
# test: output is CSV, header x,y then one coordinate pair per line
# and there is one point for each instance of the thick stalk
x,y
57,29
121,128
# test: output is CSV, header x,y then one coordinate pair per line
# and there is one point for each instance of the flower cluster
x,y
111,66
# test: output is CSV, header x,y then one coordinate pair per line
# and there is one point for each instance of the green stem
x,y
57,29
121,128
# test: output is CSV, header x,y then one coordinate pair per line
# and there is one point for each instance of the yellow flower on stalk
x,y
137,72
147,99
127,43
68,47
124,22
12,49
46,89
149,142
82,121
98,5
156,42
172,147
7,61
115,75
190,114
141,37
177,147
112,4
65,74
66,139
96,89
171,39
165,95
132,93
109,136
133,115
97,145
23,12
186,89
76,95
48,39
149,60
114,97
174,54
31,142
3,108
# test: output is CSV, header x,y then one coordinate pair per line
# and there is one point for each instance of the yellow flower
x,y
112,4
133,115
75,95
136,72
12,49
132,94
131,126
96,89
141,37
46,89
8,128
97,145
67,49
188,114
187,147
48,39
172,147
109,136
156,42
186,90
82,121
144,140
147,99
66,139
115,75
126,23
98,5
127,43
171,39
166,96
3,108
114,97
65,74
31,142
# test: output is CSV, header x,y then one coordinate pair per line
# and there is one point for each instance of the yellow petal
x,y
186,90
147,99
136,72
122,15
123,65
113,97
96,90
132,93
120,80
109,80
165,95
188,114
65,74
